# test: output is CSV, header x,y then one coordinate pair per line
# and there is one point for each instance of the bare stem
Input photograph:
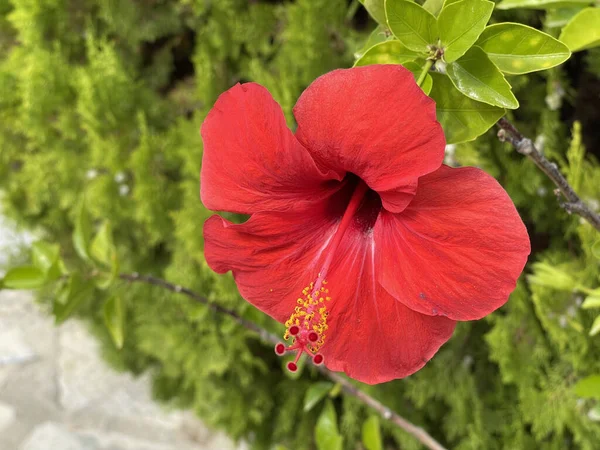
x,y
574,205
420,434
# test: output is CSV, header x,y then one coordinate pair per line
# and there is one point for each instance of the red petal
x,y
273,256
375,122
372,336
251,160
457,250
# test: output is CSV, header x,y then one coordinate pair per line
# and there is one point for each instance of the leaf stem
x,y
574,205
423,74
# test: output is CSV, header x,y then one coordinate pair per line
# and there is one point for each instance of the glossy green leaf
x,y
70,296
518,49
371,434
559,17
592,300
327,436
82,234
416,69
26,277
588,387
315,394
390,52
462,118
433,6
478,78
114,319
460,25
595,327
583,31
540,4
411,24
378,35
376,9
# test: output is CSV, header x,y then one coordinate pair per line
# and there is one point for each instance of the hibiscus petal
x,y
272,256
375,122
373,337
457,250
251,160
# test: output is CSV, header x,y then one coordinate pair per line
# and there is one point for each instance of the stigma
x,y
307,326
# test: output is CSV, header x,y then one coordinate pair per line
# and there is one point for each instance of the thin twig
x,y
574,205
350,389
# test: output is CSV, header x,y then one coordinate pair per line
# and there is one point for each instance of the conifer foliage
x,y
100,106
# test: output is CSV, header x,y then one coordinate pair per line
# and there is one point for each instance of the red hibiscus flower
x,y
359,239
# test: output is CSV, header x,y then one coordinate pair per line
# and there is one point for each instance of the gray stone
x,y
7,416
53,436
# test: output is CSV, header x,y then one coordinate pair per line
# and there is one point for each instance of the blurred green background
x,y
106,98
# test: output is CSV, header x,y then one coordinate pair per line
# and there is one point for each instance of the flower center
x,y
307,325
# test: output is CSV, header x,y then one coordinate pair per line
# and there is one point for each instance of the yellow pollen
x,y
310,314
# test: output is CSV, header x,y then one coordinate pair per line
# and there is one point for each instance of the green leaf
x,y
114,319
595,327
462,118
102,248
371,434
559,17
376,9
416,69
540,4
460,24
26,277
378,35
592,300
588,387
103,251
433,6
315,394
596,249
390,52
327,436
46,257
411,24
518,49
70,296
478,78
83,231
583,31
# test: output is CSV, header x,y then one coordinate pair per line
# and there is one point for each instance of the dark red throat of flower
x,y
307,325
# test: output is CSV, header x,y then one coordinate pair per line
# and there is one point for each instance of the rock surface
x,y
56,392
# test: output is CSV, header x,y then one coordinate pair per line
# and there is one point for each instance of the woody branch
x,y
347,387
573,204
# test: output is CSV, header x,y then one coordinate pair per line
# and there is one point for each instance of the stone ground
x,y
56,393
